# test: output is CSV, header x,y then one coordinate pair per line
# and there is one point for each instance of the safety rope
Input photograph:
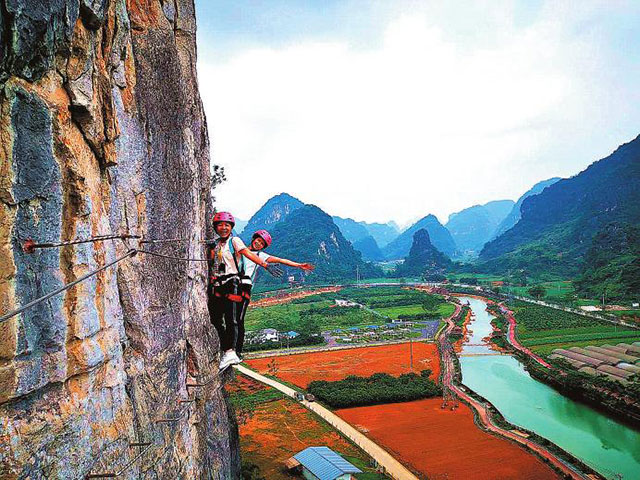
x,y
206,241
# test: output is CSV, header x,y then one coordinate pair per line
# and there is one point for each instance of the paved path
x,y
390,464
513,340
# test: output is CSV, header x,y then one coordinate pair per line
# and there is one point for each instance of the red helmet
x,y
264,235
224,217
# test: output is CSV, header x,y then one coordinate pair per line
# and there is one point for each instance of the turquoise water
x,y
606,445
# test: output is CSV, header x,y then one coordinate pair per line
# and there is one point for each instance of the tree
x,y
537,291
273,368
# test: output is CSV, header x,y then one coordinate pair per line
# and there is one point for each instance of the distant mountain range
x,y
383,233
369,249
438,234
584,227
559,224
472,227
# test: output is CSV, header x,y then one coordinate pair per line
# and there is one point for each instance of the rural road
x,y
390,464
511,337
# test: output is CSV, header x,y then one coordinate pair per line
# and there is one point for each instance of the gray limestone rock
x,y
102,131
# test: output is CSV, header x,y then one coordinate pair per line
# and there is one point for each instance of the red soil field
x,y
244,384
286,297
301,369
279,429
444,444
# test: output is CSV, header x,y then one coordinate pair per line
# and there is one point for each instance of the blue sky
x,y
390,110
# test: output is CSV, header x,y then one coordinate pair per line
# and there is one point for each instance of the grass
x,y
249,401
538,334
543,329
626,336
394,312
290,316
624,313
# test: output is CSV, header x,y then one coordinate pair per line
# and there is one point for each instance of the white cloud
x,y
424,123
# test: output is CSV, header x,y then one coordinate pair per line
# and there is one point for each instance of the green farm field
x,y
444,310
544,329
310,315
319,312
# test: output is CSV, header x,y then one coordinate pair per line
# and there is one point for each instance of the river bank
x,y
609,447
568,382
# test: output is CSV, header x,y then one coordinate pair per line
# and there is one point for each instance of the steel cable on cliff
x,y
29,246
17,311
155,254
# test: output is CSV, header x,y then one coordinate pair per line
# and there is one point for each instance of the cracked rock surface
x,y
102,131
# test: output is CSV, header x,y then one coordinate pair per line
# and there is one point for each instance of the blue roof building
x,y
322,463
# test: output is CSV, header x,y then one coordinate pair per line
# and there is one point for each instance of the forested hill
x,y
612,264
558,225
440,238
275,210
369,249
423,258
515,214
352,230
309,235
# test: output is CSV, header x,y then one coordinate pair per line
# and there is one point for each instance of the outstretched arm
x,y
253,257
290,263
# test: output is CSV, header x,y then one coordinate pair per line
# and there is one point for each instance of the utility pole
x,y
411,351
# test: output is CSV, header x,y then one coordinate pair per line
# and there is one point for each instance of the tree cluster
x,y
377,389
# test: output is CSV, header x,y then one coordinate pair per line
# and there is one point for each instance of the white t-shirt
x,y
251,268
227,255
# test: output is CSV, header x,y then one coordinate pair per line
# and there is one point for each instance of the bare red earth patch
x,y
444,444
301,369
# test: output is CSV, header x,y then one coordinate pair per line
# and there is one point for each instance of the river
x,y
608,446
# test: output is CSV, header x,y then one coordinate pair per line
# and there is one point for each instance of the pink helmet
x,y
224,217
264,235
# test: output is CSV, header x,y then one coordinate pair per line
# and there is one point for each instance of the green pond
x,y
608,446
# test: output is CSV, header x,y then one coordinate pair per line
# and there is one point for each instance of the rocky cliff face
x,y
102,131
